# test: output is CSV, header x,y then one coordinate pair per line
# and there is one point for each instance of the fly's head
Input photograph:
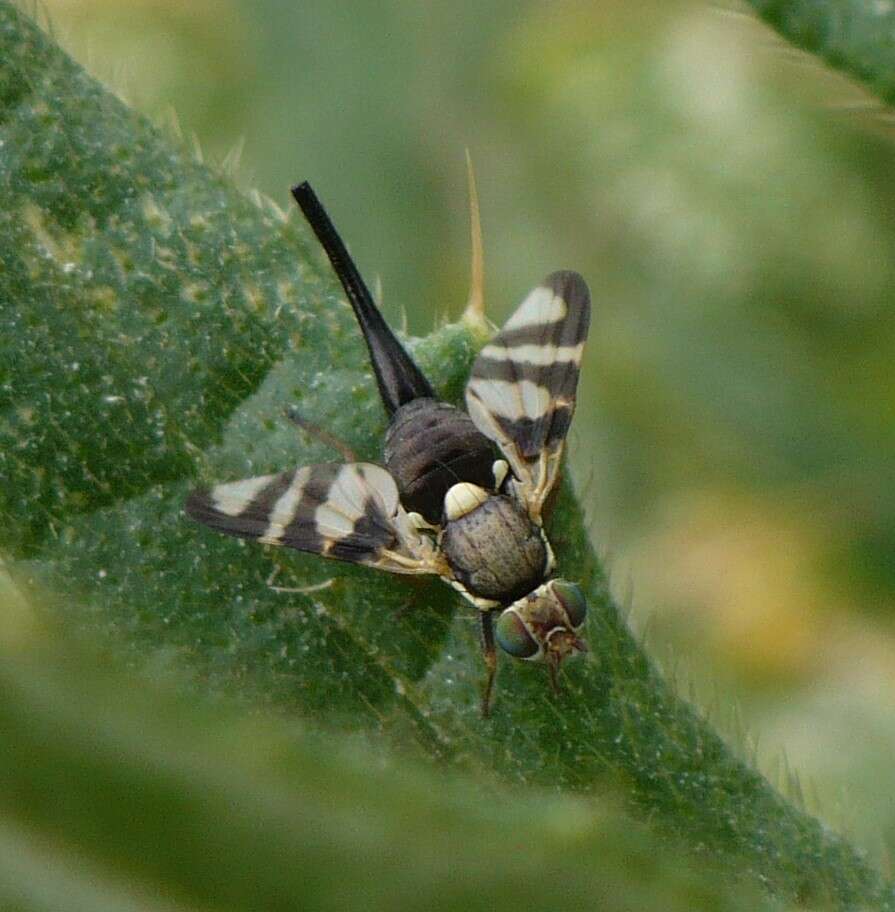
x,y
544,626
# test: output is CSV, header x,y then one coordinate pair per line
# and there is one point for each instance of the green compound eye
x,y
513,637
573,601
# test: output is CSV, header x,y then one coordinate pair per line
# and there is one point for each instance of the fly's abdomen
x,y
496,551
431,446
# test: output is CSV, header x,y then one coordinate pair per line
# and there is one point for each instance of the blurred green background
x,y
730,203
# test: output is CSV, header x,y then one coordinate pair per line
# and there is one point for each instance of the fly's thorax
x,y
431,446
495,551
545,624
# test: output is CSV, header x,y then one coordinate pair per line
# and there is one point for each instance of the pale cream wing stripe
x,y
521,392
348,512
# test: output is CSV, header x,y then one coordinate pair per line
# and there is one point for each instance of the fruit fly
x,y
460,494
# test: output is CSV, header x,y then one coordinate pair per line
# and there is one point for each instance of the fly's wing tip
x,y
522,388
198,503
572,287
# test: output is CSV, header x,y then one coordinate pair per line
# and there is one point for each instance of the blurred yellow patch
x,y
743,572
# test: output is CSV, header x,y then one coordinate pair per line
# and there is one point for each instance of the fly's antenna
x,y
397,376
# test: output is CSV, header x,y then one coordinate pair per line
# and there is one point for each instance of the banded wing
x,y
348,512
521,392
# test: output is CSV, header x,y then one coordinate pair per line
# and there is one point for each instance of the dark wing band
x,y
348,512
521,392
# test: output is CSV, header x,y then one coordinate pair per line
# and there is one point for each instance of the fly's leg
x,y
302,590
417,591
553,669
489,653
324,436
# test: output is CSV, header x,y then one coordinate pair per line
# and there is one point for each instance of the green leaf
x,y
851,35
156,323
119,795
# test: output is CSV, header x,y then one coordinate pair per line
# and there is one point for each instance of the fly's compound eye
x,y
573,600
513,636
